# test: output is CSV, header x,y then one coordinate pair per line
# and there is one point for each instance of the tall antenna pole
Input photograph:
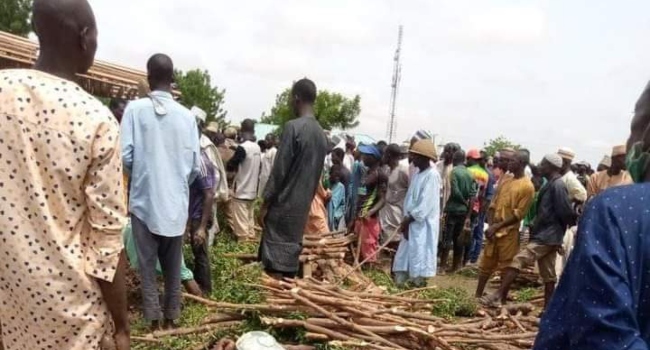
x,y
397,76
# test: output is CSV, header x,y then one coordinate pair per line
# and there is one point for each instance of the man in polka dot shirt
x,y
61,201
603,299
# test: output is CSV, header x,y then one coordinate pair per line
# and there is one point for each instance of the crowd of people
x,y
71,167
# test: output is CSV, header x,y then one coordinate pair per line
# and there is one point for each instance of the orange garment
x,y
317,222
601,181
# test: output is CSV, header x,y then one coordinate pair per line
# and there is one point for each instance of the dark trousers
x,y
201,270
453,228
169,251
477,239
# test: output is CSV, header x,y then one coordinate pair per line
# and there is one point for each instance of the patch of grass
x,y
230,276
456,302
381,279
525,295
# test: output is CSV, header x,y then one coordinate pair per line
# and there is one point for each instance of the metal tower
x,y
397,76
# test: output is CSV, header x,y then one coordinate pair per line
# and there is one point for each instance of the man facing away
x,y
481,179
160,147
391,214
457,211
63,209
603,299
246,163
513,198
415,259
267,162
554,215
292,185
616,175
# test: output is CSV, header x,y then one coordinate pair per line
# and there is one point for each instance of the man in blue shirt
x,y
160,149
603,299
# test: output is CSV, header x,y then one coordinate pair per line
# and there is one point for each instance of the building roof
x,y
104,79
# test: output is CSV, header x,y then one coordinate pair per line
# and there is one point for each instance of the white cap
x,y
566,153
199,113
554,159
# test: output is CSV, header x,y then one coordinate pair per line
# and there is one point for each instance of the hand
x,y
122,340
491,231
199,236
264,209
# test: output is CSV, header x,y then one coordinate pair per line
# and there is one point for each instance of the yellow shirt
x,y
513,198
62,212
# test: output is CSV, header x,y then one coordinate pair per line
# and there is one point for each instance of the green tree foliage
x,y
197,90
333,110
14,16
499,143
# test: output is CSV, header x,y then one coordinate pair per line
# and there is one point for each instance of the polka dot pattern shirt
x,y
603,299
61,212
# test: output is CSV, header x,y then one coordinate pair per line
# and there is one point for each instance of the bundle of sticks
x,y
362,320
323,257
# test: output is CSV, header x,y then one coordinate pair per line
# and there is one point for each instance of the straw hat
x,y
424,148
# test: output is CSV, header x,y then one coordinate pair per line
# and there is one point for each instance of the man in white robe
x,y
415,260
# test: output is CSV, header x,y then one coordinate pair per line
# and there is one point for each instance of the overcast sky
x,y
542,73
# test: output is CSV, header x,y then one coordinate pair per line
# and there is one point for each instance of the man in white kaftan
x,y
416,257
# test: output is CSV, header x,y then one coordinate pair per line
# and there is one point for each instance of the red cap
x,y
474,154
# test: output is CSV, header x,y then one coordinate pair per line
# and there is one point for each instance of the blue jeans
x,y
477,239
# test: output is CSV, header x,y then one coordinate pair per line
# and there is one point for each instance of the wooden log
x,y
145,339
303,297
192,330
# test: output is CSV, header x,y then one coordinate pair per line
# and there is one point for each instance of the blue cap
x,y
370,150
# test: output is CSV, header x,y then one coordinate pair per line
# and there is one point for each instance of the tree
x,y
14,16
197,90
499,143
332,110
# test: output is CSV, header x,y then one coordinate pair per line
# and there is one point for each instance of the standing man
x,y
603,301
577,192
554,215
370,199
292,185
457,211
338,155
488,193
415,259
616,175
160,147
246,163
63,271
267,162
445,166
200,220
578,196
392,213
511,203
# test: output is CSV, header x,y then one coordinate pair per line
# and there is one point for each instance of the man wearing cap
x,y
415,259
603,299
370,199
554,215
477,168
604,164
246,162
577,192
616,175
463,191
